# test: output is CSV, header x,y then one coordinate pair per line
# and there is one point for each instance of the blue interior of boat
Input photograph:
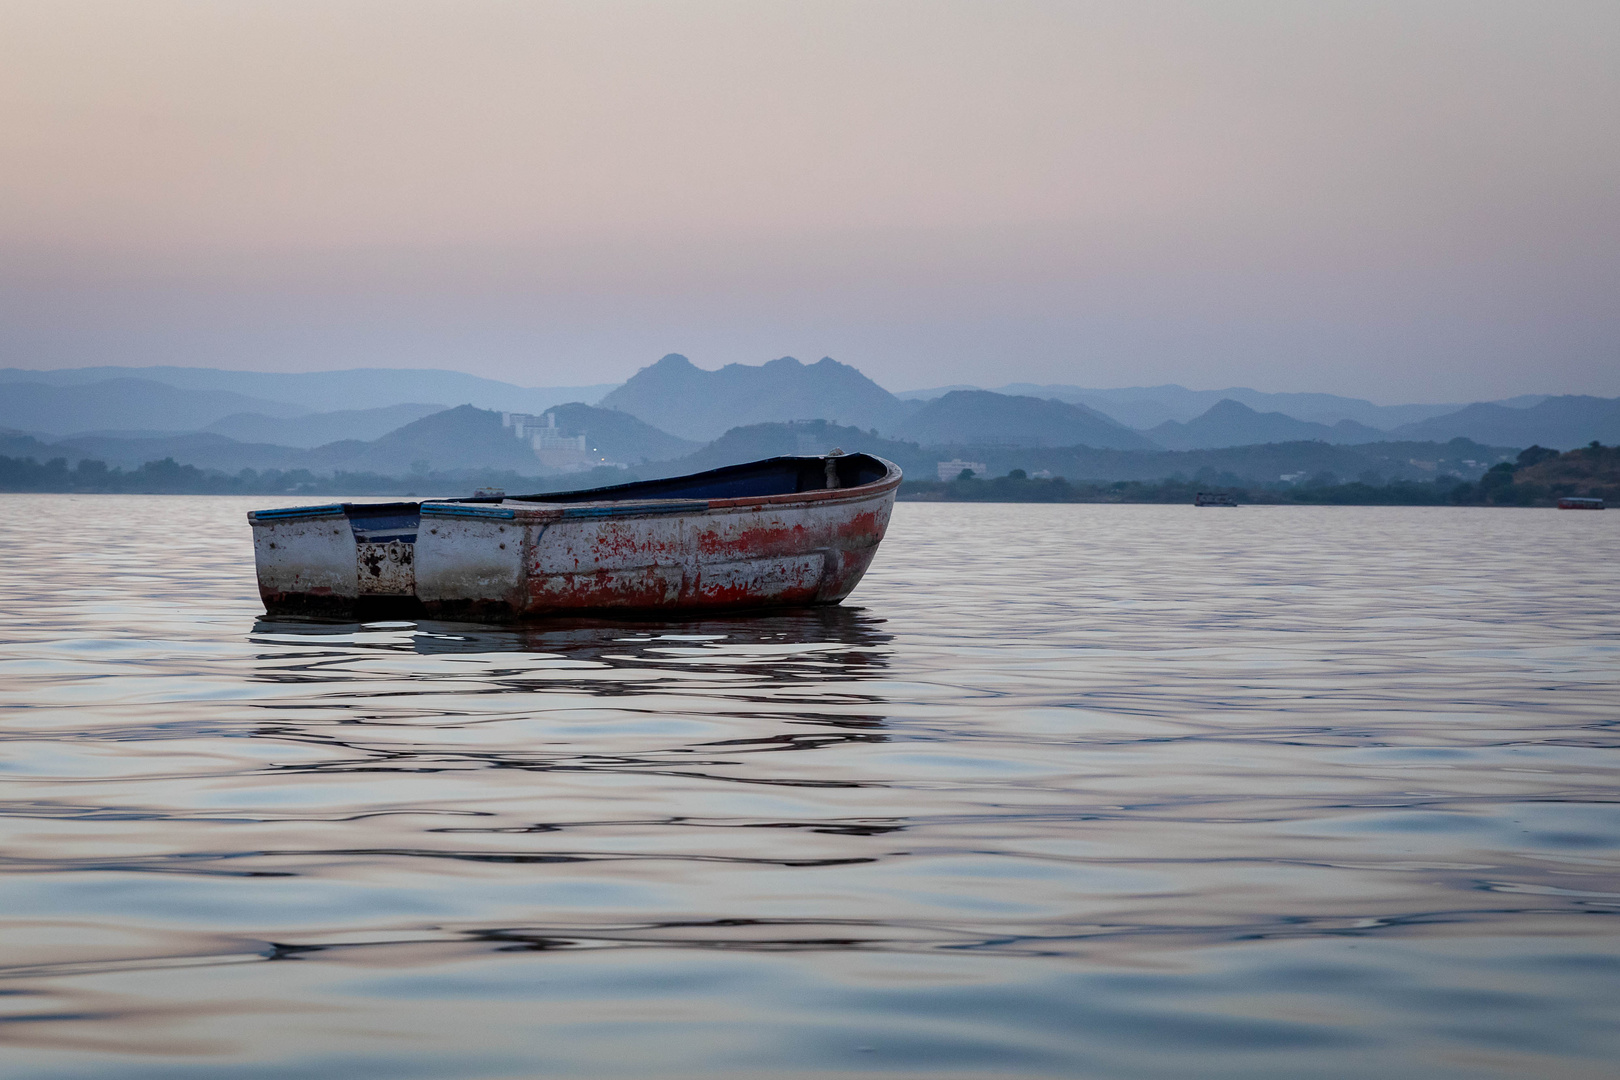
x,y
772,476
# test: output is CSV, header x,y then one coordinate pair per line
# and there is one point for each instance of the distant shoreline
x,y
1539,477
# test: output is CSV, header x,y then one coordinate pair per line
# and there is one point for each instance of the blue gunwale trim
x,y
662,506
457,510
329,510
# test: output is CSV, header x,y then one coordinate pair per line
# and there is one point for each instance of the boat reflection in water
x,y
560,697
633,708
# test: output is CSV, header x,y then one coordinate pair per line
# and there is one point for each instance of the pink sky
x,y
1403,201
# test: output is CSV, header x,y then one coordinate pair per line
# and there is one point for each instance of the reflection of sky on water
x,y
1134,791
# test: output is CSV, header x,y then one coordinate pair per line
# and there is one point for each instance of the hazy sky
x,y
1402,201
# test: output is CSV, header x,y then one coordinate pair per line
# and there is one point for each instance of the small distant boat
x,y
780,532
1575,502
1213,498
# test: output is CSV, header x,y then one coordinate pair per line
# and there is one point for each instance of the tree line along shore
x,y
1539,477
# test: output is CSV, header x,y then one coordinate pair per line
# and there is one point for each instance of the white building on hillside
x,y
565,453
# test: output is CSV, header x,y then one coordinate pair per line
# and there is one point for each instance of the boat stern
x,y
337,560
305,557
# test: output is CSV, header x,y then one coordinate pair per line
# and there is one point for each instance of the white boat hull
x,y
512,560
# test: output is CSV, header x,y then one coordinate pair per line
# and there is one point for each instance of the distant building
x,y
950,470
565,453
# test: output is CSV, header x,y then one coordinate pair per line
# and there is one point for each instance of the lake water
x,y
1063,791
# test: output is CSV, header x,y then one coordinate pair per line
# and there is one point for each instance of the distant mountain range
x,y
1231,423
318,429
202,449
1562,423
982,418
328,391
1265,464
447,440
463,438
676,395
752,442
1145,407
619,437
125,404
1177,418
669,410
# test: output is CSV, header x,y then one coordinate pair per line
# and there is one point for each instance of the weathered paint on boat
x,y
652,547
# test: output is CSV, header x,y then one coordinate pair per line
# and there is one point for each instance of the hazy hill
x,y
461,438
1559,422
317,429
932,392
328,391
202,449
755,441
471,438
983,418
124,404
1231,423
679,397
1148,406
447,440
20,444
1137,405
1264,464
1589,471
618,436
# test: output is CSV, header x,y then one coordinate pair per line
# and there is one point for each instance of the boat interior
x,y
383,522
772,476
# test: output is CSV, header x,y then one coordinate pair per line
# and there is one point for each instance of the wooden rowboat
x,y
785,531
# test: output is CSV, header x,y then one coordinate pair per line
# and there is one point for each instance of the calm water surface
x,y
1064,791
